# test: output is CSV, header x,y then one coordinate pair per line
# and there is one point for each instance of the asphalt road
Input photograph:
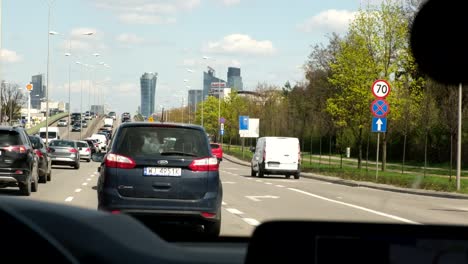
x,y
249,201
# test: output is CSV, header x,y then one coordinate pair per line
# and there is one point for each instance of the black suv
x,y
18,160
144,175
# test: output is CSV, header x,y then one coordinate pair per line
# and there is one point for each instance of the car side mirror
x,y
98,157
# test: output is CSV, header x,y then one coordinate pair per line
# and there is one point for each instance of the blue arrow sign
x,y
243,123
379,124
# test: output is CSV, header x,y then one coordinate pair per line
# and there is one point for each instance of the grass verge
x,y
52,119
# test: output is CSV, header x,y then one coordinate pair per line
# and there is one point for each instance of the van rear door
x,y
282,153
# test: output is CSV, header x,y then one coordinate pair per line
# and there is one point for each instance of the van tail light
x,y
204,164
73,150
18,149
119,161
39,153
299,153
87,150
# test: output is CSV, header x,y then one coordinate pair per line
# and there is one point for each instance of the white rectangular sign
x,y
253,131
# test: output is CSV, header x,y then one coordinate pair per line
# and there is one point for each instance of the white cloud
x,y
147,11
240,44
331,20
231,2
129,38
9,56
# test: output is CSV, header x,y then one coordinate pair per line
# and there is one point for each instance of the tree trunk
x,y
329,150
320,150
360,148
425,154
310,156
230,142
384,151
404,154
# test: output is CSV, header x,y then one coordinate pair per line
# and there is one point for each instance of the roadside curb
x,y
369,185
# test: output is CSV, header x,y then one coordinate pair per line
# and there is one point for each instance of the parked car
x,y
65,152
170,182
276,156
62,123
44,160
217,150
85,150
18,161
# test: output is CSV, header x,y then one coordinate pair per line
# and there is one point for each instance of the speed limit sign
x,y
380,88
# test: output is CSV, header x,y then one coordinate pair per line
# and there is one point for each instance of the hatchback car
x,y
85,150
141,175
18,161
84,123
76,127
217,151
44,161
65,152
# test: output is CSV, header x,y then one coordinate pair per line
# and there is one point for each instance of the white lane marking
x,y
357,207
92,176
223,203
251,221
78,190
228,182
257,198
268,183
249,178
281,186
234,211
89,179
85,183
69,199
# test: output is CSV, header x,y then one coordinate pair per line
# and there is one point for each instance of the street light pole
x,y
69,89
50,3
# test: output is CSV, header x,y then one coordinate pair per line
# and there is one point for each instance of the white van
x,y
277,156
54,133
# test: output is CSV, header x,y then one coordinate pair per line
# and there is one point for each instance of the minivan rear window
x,y
51,134
157,141
214,146
9,138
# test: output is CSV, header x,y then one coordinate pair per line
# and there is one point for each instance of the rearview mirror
x,y
98,157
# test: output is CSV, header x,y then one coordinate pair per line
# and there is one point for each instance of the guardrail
x,y
52,119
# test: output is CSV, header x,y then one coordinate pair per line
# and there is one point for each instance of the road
x,y
248,201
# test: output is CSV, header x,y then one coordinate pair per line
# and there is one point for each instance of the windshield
x,y
51,134
315,110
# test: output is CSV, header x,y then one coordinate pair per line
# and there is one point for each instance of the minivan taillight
x,y
18,149
119,161
205,164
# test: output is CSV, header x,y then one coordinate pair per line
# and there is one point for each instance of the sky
x,y
268,40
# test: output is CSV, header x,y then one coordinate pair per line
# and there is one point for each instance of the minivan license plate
x,y
159,171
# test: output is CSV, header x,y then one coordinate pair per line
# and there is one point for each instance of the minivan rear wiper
x,y
178,153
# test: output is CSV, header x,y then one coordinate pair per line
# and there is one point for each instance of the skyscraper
x,y
148,92
38,91
234,79
208,80
194,97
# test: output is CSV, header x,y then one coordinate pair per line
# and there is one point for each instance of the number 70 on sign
x,y
380,89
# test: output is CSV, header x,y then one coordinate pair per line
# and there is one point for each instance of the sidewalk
x,y
371,185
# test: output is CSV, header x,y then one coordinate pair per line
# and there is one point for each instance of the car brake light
x,y
208,215
205,164
18,172
115,212
73,150
119,161
18,149
299,153
38,153
87,150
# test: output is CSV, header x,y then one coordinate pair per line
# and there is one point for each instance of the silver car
x,y
85,150
65,152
